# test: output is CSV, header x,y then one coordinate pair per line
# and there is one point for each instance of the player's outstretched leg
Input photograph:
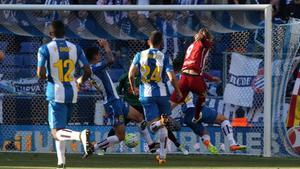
x,y
228,133
179,146
63,135
112,140
137,117
163,133
206,141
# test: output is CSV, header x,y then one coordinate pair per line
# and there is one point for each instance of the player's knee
x,y
53,133
220,118
121,136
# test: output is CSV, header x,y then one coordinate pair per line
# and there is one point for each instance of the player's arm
x,y
133,71
41,66
110,58
122,82
83,63
174,82
131,77
211,78
172,76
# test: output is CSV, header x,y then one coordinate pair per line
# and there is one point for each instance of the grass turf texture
x,y
45,161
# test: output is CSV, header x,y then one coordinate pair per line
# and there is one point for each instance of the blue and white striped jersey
x,y
61,57
153,66
103,80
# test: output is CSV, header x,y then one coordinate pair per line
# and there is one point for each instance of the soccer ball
x,y
131,140
294,138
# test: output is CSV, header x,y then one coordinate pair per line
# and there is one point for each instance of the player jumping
x,y
114,106
57,63
193,76
153,66
209,116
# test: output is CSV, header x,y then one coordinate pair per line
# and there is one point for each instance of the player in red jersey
x,y
193,76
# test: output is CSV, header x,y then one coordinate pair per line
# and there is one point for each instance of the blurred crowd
x,y
283,8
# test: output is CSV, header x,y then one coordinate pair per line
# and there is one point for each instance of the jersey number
x,y
61,65
155,74
189,50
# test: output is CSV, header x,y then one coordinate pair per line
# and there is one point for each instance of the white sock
x,y
145,134
109,141
227,131
205,137
60,151
66,134
155,125
163,132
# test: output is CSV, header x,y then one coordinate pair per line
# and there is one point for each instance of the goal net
x,y
237,57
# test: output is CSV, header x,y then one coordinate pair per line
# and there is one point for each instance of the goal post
x,y
266,9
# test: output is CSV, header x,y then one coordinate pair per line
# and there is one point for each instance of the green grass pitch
x,y
48,161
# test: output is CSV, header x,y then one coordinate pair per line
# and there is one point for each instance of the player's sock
x,y
66,134
172,137
144,131
227,131
206,140
210,147
155,126
163,132
60,151
109,141
110,133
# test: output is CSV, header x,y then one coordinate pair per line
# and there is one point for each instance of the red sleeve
x,y
208,77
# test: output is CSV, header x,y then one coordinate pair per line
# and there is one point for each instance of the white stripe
x,y
73,56
204,59
113,86
59,90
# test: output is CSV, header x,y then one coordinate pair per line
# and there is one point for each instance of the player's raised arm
x,y
110,58
41,67
172,77
85,66
132,72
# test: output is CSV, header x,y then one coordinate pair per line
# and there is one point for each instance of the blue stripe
x,y
69,93
50,85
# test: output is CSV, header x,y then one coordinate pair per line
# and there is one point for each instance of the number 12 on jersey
x,y
65,76
155,74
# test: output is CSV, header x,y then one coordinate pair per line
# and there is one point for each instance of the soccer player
x,y
153,66
57,61
133,100
209,116
114,106
193,76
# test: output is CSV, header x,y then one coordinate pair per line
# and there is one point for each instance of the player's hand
x,y
79,83
103,43
216,80
197,119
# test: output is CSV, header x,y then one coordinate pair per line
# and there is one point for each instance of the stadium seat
x,y
28,47
3,45
18,60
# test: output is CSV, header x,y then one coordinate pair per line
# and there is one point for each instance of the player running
x,y
57,62
133,100
114,106
193,76
187,109
153,66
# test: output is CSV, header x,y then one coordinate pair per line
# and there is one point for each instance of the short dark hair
x,y
156,38
58,28
91,52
